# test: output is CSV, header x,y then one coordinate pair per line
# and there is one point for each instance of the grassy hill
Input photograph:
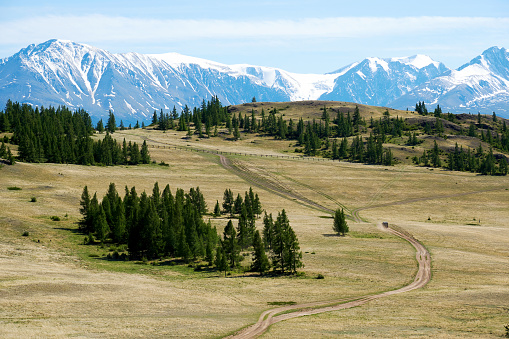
x,y
54,285
445,129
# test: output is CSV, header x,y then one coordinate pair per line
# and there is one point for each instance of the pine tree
x,y
228,201
111,125
502,166
285,250
260,261
242,230
101,226
340,226
292,252
144,154
257,206
84,209
221,261
3,150
435,156
230,245
268,231
10,157
279,241
237,208
100,126
217,209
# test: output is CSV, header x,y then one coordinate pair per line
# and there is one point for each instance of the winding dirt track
x,y
267,182
272,316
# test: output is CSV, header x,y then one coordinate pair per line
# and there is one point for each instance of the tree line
x,y
59,135
163,225
477,161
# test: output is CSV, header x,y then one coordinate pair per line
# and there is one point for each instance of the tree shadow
x,y
73,230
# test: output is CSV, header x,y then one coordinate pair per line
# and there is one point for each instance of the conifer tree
x,y
340,225
285,250
435,156
221,260
260,261
228,201
230,245
10,157
243,231
268,231
217,209
292,252
237,208
144,154
111,125
101,226
84,209
257,206
3,150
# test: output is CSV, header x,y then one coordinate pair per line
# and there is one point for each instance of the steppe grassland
x,y
467,236
47,289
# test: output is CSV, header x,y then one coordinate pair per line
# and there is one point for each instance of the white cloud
x,y
99,28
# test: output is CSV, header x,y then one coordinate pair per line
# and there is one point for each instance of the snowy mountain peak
x,y
133,85
418,61
177,60
479,85
374,62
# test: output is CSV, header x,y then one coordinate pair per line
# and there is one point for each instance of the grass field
x,y
53,286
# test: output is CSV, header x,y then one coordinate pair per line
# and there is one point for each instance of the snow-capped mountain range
x,y
133,85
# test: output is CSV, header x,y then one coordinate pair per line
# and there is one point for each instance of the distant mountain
x,y
133,85
376,81
480,85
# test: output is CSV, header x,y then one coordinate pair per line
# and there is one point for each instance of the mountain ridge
x,y
133,85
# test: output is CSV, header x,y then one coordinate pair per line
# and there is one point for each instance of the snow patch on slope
x,y
418,61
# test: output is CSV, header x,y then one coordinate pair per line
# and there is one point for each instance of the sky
x,y
316,36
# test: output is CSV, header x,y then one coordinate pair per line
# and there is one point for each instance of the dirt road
x,y
270,317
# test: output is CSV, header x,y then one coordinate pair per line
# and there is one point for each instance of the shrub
x,y
33,199
14,188
55,218
320,276
26,234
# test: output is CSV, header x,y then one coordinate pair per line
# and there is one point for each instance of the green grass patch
x,y
362,235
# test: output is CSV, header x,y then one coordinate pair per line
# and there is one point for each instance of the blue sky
x,y
299,36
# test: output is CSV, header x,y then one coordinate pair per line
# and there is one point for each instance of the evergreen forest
x,y
166,226
59,135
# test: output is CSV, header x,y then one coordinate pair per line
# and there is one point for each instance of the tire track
x,y
269,184
269,317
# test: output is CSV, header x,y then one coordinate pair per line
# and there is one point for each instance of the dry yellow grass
x,y
46,289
